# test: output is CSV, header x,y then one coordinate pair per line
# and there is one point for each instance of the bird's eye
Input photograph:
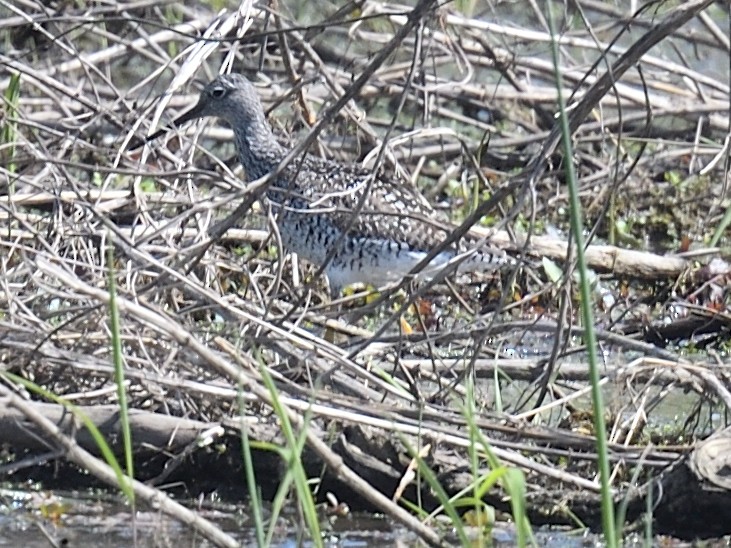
x,y
218,92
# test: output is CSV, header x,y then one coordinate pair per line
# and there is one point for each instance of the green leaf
x,y
552,270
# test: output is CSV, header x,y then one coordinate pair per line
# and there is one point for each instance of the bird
x,y
362,226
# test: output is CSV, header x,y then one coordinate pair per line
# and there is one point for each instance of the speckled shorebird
x,y
316,201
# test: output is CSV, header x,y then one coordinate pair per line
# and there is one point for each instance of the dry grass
x,y
463,106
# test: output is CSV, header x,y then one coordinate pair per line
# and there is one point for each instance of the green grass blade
x,y
294,445
101,443
511,479
9,130
447,504
255,501
114,326
607,503
721,228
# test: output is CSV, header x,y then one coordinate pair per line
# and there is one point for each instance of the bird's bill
x,y
192,114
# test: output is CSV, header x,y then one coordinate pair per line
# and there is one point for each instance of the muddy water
x,y
30,519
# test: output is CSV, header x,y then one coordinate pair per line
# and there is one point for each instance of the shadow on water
x,y
34,520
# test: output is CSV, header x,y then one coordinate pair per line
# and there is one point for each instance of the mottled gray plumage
x,y
315,200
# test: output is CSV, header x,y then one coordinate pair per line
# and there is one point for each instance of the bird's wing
x,y
370,204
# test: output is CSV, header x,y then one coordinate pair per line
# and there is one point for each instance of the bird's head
x,y
230,97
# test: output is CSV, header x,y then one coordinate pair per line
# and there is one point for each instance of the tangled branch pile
x,y
463,106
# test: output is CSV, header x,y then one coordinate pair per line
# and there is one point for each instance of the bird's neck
x,y
259,151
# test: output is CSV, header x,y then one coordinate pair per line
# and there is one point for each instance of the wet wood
x,y
695,495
